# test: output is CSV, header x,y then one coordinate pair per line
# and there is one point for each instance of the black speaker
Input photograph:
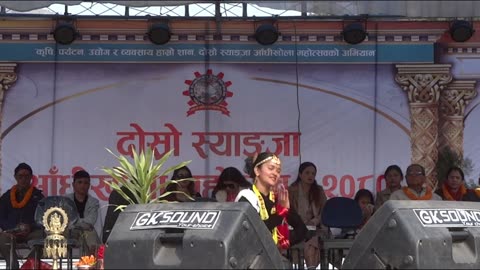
x,y
419,235
191,235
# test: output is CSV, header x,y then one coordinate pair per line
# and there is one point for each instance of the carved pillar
x,y
7,78
453,101
423,84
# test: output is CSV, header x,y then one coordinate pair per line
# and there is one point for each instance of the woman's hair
x,y
231,174
364,193
191,184
393,168
184,168
314,192
255,161
455,168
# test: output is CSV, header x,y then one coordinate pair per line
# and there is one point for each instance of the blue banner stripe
x,y
227,53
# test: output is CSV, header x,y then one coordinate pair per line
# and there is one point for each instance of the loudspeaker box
x,y
191,235
419,235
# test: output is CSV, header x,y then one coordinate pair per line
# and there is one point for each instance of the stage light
x,y
65,33
159,33
461,30
354,33
266,34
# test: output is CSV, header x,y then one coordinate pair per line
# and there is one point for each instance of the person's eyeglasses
x,y
415,173
23,175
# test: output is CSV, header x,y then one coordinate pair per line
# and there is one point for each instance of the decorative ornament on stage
x,y
208,92
87,262
55,220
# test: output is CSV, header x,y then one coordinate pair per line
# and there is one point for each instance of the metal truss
x,y
224,9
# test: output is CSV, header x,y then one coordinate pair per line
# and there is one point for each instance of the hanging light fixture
x,y
354,33
266,34
461,30
65,33
159,33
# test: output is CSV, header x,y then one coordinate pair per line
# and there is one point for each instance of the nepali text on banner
x,y
225,53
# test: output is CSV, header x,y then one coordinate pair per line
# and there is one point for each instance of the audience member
x,y
453,187
364,198
229,183
87,207
114,201
17,214
182,188
417,188
307,198
393,177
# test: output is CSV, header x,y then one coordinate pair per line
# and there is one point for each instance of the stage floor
x,y
64,264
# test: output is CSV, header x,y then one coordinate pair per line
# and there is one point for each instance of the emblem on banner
x,y
208,92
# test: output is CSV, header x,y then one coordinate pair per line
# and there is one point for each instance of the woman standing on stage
x,y
274,208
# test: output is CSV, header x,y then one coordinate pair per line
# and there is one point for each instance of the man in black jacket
x,y
17,214
114,201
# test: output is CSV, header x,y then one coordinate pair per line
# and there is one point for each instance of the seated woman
x,y
364,198
453,187
229,183
274,209
182,188
393,177
307,198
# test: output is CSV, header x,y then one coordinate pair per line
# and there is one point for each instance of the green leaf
x,y
120,207
178,166
172,192
168,182
139,175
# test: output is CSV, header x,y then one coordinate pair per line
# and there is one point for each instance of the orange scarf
x,y
448,196
26,198
428,194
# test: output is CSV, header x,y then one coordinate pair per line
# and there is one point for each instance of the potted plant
x,y
137,177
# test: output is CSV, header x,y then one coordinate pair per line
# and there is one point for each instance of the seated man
x,y
115,200
417,187
17,214
87,206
